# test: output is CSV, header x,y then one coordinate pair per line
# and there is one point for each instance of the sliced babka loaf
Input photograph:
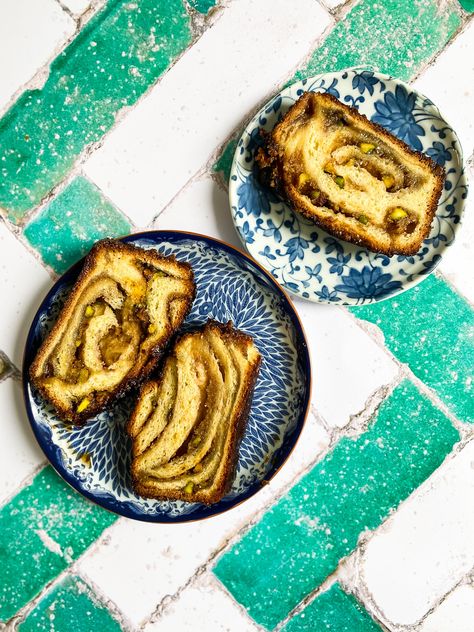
x,y
186,426
113,328
350,176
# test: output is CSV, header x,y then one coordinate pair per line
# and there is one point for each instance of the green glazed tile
x,y
333,611
431,328
467,5
66,229
108,66
393,36
42,530
69,607
202,6
224,163
300,540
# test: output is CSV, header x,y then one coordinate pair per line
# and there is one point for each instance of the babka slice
x,y
186,427
350,176
120,314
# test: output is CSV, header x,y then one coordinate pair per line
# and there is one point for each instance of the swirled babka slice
x,y
186,427
120,315
350,176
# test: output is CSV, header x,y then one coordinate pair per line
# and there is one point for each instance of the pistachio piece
x,y
367,148
189,488
89,311
78,343
388,180
303,178
398,213
83,374
363,219
83,405
196,441
151,328
315,195
339,180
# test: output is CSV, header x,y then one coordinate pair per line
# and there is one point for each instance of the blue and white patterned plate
x,y
305,259
95,458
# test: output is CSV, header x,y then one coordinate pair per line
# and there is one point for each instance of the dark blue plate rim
x,y
124,508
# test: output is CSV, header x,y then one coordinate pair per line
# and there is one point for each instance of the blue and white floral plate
x,y
95,458
305,259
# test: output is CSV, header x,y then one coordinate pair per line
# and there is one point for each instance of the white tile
x,y
201,207
207,94
332,4
31,32
201,607
161,558
427,546
449,83
456,264
455,614
347,365
19,452
77,6
23,283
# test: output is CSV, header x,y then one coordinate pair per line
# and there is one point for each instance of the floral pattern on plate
x,y
303,257
95,458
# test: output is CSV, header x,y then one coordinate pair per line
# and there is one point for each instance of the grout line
x,y
68,11
465,21
104,600
25,482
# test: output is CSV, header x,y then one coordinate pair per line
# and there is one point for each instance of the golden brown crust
x,y
134,377
269,160
222,486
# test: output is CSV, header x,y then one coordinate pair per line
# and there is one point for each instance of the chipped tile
x,y
355,487
334,611
109,65
25,289
42,530
31,31
70,605
426,547
171,134
431,328
68,227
